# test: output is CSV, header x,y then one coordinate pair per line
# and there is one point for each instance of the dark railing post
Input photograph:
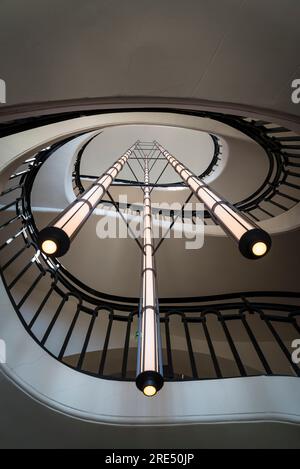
x,y
106,342
190,347
126,346
169,347
211,348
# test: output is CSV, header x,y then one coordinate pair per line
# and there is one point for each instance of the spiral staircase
x,y
81,321
95,332
212,85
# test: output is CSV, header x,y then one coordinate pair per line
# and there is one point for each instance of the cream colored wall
x,y
190,52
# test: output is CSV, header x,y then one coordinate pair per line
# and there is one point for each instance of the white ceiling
x,y
241,51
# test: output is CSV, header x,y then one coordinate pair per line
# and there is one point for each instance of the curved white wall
x,y
82,396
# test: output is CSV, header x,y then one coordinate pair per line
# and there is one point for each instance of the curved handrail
x,y
78,187
277,193
193,312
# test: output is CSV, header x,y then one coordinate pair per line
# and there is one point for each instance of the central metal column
x,y
149,370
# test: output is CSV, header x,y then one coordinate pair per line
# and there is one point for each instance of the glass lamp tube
x,y
149,374
55,239
253,242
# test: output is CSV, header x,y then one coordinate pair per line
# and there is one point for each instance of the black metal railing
x,y
278,193
239,334
77,177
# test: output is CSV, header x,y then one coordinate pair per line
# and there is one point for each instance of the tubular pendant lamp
x,y
55,239
149,378
253,242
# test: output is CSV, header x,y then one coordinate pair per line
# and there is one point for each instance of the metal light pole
x,y
56,238
253,242
149,370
